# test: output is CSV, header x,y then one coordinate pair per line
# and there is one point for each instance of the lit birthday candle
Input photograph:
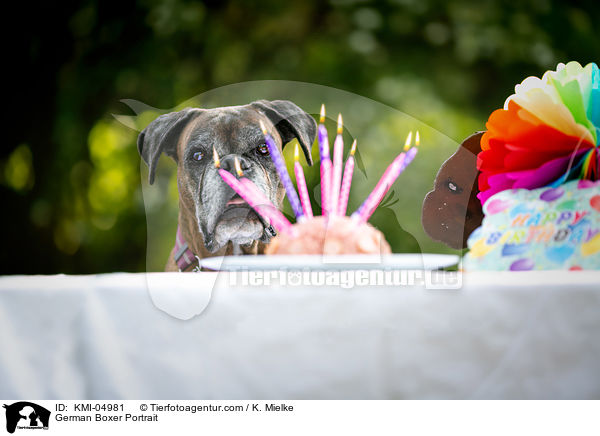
x,y
326,166
347,181
253,197
396,164
216,159
262,204
338,161
417,143
412,152
301,183
283,173
364,212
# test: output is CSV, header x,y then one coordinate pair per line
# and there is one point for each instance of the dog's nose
x,y
228,163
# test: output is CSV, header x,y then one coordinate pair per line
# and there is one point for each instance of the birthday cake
x,y
538,182
545,228
332,235
333,232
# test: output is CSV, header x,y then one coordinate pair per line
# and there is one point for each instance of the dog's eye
x,y
453,187
262,149
198,156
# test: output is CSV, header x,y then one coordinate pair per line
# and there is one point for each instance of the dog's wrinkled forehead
x,y
237,126
227,129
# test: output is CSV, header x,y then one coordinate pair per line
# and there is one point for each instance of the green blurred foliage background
x,y
70,173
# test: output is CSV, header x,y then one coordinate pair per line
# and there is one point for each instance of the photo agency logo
x,y
25,415
346,279
238,169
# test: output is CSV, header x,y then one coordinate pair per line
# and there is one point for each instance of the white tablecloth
x,y
503,335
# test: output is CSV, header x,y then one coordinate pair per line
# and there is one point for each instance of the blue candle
x,y
277,159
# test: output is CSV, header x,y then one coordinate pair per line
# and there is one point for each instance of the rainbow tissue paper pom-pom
x,y
547,133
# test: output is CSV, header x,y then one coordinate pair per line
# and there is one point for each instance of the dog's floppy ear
x,y
291,122
161,136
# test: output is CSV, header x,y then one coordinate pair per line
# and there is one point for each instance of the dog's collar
x,y
184,257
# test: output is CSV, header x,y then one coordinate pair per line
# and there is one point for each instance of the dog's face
x,y
188,136
452,210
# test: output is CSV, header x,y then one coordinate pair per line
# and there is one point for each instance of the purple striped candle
x,y
277,159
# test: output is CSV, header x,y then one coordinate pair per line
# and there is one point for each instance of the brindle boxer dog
x,y
213,219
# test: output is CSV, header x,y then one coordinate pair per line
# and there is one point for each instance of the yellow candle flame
x,y
340,126
296,154
216,158
353,149
322,117
238,168
408,141
263,127
417,139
